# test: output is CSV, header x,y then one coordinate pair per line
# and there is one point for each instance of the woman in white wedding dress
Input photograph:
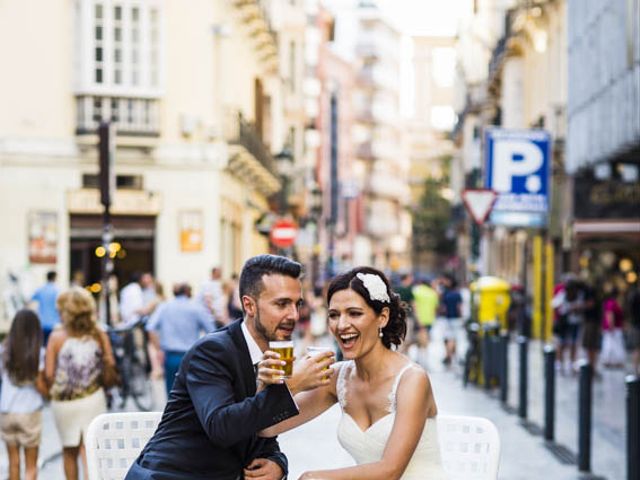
x,y
388,410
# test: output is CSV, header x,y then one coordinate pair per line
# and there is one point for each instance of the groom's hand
x,y
270,370
263,469
311,372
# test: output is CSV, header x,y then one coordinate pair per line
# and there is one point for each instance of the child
x,y
23,387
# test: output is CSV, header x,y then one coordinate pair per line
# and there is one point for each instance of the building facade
x,y
603,141
196,97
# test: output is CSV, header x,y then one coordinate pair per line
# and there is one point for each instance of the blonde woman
x,y
76,355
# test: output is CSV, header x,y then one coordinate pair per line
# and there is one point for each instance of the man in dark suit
x,y
215,408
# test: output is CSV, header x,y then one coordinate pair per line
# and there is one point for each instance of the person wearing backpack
x,y
23,389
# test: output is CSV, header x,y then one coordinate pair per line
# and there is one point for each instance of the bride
x,y
388,410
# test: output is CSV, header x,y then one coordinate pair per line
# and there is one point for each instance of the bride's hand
x,y
312,372
270,370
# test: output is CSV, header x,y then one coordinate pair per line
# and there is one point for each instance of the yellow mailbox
x,y
491,298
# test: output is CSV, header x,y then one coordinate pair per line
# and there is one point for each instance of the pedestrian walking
x,y
452,305
136,299
592,331
212,298
77,356
569,305
234,306
425,307
23,388
613,349
46,296
174,327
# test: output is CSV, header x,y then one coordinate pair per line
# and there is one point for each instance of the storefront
x,y
606,225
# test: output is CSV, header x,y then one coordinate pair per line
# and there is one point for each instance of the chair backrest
x,y
469,447
114,441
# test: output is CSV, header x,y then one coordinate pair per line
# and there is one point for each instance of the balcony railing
x,y
133,116
239,131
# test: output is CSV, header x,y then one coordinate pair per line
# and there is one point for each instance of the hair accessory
x,y
375,286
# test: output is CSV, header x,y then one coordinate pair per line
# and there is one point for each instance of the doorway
x,y
133,247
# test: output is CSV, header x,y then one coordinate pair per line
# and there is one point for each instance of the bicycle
x,y
473,355
129,345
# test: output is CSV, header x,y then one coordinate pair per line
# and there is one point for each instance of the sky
x,y
426,17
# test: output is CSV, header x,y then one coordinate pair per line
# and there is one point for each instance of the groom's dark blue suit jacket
x,y
208,428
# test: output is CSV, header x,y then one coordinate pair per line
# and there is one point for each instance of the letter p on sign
x,y
516,158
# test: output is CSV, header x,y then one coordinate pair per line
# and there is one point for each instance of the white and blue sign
x,y
517,167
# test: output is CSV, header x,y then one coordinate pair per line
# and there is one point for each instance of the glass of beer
x,y
285,349
313,350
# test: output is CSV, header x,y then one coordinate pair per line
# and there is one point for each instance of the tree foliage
x,y
432,216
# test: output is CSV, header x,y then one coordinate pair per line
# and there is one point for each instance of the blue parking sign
x,y
517,164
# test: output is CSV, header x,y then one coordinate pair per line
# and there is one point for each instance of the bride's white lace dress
x,y
367,446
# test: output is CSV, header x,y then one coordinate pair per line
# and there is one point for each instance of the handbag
x,y
110,377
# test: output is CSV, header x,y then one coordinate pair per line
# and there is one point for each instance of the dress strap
x,y
394,389
341,384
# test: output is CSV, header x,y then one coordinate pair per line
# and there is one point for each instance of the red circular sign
x,y
283,233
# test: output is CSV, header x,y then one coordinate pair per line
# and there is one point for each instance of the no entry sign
x,y
283,233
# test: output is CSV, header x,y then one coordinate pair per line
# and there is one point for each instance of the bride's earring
x,y
380,332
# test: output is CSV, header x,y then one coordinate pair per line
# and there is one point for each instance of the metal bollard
x,y
633,427
584,416
549,392
523,344
486,357
504,367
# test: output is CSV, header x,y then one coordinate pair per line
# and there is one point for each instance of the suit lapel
x,y
246,367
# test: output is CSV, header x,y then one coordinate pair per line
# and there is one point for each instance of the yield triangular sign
x,y
479,202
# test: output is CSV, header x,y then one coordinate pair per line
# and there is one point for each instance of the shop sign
x,y
517,164
191,234
43,237
611,198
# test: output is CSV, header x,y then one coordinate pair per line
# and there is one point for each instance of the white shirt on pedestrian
x,y
131,302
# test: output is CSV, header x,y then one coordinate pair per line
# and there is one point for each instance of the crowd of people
x,y
605,323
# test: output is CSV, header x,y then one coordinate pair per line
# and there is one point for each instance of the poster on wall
x,y
190,227
43,237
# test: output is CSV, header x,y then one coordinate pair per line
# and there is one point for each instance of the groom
x,y
209,426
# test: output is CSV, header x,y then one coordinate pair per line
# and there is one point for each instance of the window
x,y
119,71
125,41
124,182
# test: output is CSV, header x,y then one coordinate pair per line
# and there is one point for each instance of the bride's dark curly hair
x,y
396,329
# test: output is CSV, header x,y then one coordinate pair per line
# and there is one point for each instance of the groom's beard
x,y
263,332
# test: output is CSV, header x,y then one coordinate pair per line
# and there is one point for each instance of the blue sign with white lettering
x,y
517,164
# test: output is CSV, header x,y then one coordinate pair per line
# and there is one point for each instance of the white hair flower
x,y
375,286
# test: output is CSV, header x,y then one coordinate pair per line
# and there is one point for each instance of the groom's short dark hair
x,y
256,267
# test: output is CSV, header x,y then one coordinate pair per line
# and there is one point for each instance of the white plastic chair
x,y
114,441
469,447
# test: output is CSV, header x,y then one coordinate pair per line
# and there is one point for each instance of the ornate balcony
x,y
132,116
249,157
